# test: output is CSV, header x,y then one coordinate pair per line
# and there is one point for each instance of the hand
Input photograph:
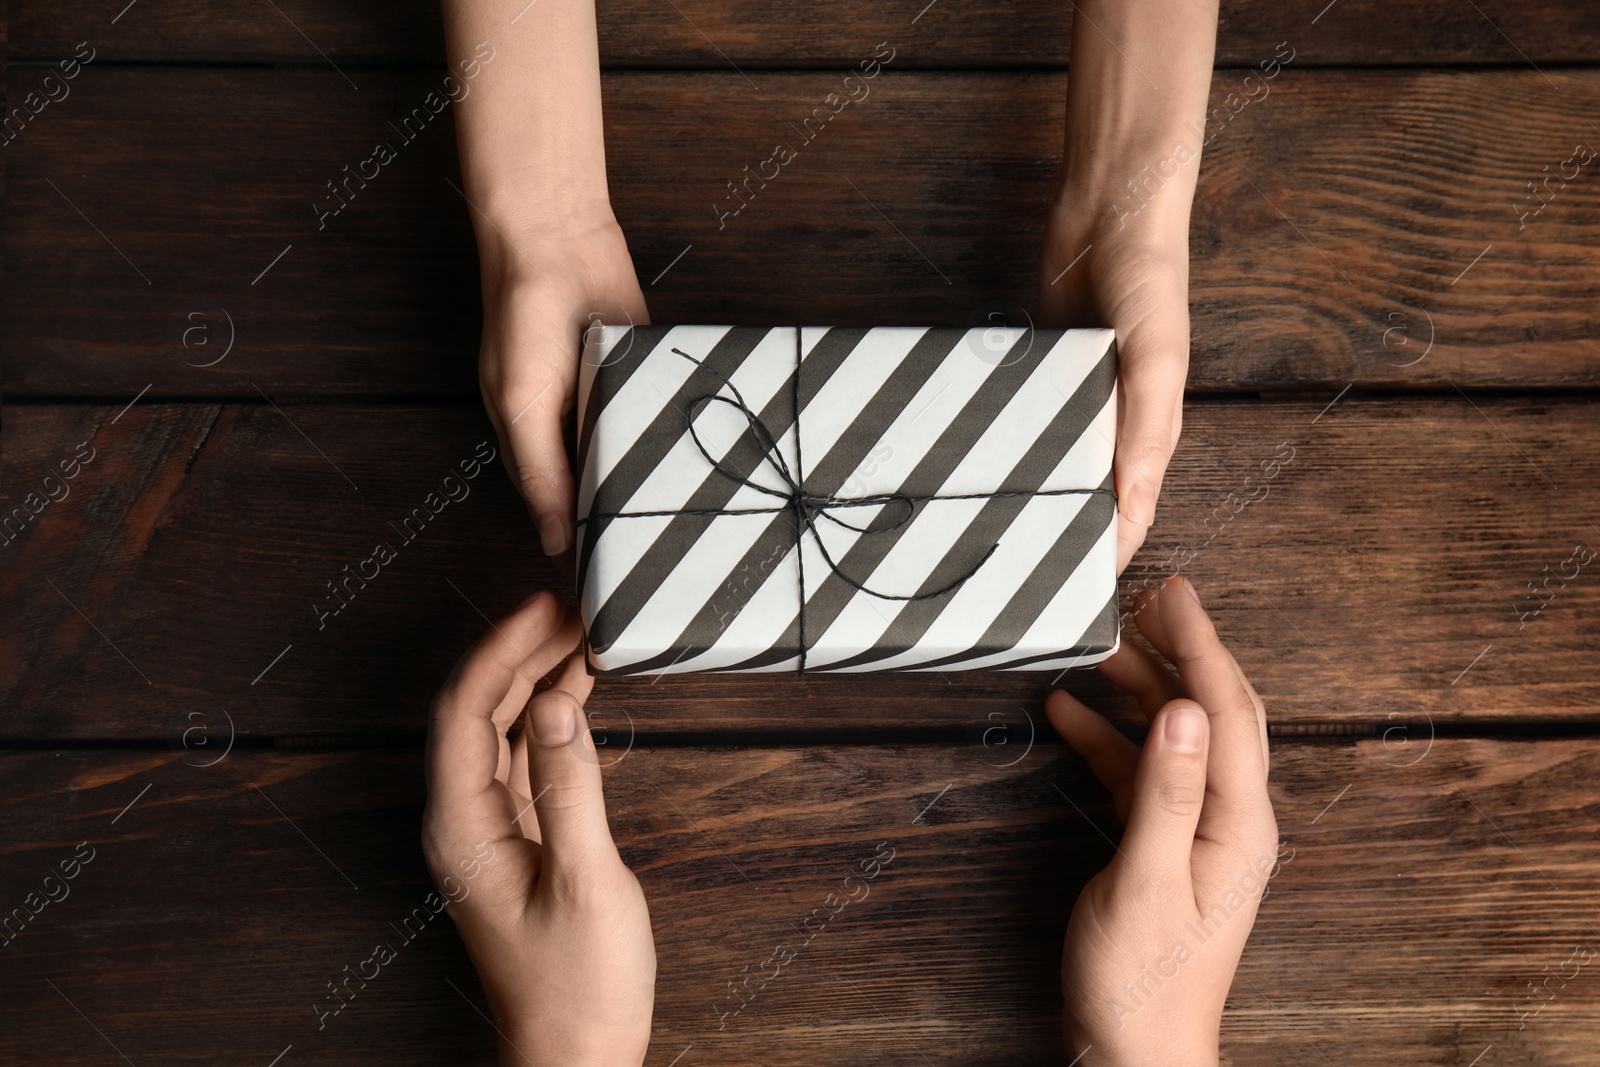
x,y
1155,938
541,290
1133,275
552,257
555,924
1127,184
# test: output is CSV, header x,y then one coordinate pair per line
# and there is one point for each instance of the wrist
x,y
1138,224
1098,1056
1104,1047
525,248
1143,184
529,204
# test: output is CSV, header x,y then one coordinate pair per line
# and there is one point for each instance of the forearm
x,y
524,1048
530,132
1137,89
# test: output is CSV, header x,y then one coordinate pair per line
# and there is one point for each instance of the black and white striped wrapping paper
x,y
683,568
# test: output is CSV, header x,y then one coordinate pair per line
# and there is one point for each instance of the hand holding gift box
x,y
517,839
847,500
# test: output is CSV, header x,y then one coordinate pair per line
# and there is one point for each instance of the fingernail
x,y
554,719
1139,505
1186,728
1189,586
552,534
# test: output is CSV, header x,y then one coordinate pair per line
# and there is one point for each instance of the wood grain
x,y
1359,230
1362,583
1353,32
1349,227
1403,927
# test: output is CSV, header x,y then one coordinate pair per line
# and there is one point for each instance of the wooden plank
x,y
206,926
830,31
1361,556
1332,244
191,239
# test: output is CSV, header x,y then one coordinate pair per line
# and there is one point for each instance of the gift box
x,y
828,499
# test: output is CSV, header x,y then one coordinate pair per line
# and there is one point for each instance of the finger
x,y
467,757
540,465
1147,620
1169,792
528,375
526,818
1130,537
1261,714
545,658
470,714
1154,360
564,773
532,385
1136,670
1237,773
1112,757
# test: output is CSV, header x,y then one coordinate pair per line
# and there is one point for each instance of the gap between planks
x,y
1332,733
840,64
1307,393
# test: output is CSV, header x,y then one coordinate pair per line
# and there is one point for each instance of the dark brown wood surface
x,y
1395,544
716,34
1369,290
1350,226
1413,906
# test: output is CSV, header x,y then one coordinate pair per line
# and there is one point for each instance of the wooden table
x,y
260,396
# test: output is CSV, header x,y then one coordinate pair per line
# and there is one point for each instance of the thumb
x,y
1169,790
1153,351
564,776
541,467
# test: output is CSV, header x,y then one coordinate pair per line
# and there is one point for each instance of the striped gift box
x,y
822,499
